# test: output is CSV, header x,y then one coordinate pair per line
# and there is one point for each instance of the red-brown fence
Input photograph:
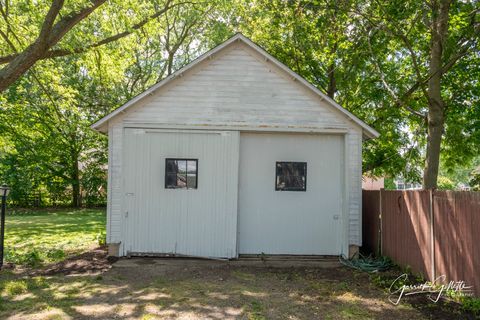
x,y
434,232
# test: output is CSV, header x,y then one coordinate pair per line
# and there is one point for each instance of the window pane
x,y
171,166
291,176
171,180
182,166
181,180
192,167
191,181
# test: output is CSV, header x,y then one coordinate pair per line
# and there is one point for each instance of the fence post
x,y
380,224
432,232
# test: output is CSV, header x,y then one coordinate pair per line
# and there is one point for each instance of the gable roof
x,y
368,131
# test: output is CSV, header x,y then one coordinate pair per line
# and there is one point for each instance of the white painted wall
x,y
195,222
291,222
236,88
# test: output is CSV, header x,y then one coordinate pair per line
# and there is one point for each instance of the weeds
x,y
101,238
472,305
16,287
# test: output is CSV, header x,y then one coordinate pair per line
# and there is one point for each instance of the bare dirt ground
x,y
89,287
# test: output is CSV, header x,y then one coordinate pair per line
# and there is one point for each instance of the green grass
x,y
33,238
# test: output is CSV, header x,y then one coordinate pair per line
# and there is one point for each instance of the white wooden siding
x,y
354,158
237,89
115,200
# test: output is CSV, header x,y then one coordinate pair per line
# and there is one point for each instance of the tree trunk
x,y
170,63
436,105
76,197
332,82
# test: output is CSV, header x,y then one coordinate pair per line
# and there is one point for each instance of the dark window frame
x,y
304,189
186,173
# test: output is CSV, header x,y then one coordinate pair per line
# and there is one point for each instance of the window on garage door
x,y
291,176
181,173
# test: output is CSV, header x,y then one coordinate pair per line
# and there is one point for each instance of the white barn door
x,y
194,222
291,222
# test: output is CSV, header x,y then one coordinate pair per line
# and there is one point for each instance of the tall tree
x,y
413,47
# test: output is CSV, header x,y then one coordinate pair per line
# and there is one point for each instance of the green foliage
x,y
101,238
392,279
472,305
14,288
445,183
389,184
475,182
461,175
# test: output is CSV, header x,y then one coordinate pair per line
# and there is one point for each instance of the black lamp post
x,y
4,190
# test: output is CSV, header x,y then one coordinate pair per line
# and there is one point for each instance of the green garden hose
x,y
367,263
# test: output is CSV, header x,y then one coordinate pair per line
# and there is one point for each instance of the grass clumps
x,y
44,237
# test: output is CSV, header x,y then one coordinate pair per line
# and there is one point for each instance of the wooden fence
x,y
434,232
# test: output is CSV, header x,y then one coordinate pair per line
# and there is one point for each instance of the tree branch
x,y
55,53
392,93
48,37
49,20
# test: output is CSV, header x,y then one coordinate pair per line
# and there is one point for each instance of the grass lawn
x,y
143,288
45,236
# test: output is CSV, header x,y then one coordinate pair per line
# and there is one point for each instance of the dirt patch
x,y
91,262
154,288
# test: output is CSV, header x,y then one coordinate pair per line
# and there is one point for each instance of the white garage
x,y
234,154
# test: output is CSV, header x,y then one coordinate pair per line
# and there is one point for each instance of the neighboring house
x,y
370,183
401,184
234,154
